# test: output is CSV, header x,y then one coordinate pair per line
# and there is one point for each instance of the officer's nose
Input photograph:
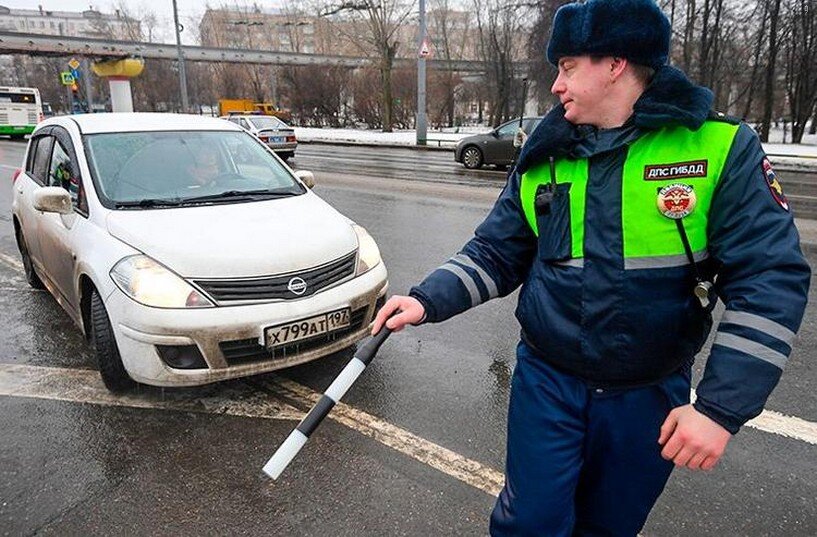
x,y
558,86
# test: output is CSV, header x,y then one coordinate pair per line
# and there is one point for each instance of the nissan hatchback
x,y
186,252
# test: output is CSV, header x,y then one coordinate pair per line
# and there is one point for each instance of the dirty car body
x,y
209,258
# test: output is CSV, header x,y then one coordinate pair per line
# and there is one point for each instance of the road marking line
x,y
11,262
85,386
9,167
446,461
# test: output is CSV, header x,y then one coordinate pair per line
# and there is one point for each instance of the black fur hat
x,y
634,29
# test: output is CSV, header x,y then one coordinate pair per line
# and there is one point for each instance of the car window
x,y
233,119
530,124
64,173
508,130
181,165
42,153
267,122
243,123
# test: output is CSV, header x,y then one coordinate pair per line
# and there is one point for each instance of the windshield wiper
x,y
149,202
241,194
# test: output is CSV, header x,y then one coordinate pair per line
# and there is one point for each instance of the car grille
x,y
277,287
244,351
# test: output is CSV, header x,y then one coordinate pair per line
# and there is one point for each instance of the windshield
x,y
267,123
147,169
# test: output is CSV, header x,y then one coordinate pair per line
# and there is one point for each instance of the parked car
x,y
495,147
279,136
186,252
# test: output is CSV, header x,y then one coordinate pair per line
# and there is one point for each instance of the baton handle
x,y
298,437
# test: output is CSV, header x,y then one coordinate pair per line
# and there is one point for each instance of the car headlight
x,y
148,282
368,253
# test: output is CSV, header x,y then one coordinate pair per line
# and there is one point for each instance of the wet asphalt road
x,y
74,468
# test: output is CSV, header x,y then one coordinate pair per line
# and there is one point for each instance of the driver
x,y
203,168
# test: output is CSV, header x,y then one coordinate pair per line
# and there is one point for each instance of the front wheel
x,y
28,265
472,157
113,372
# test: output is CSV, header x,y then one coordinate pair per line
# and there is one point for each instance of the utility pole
x,y
182,73
422,52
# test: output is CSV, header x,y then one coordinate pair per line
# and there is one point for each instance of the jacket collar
x,y
670,100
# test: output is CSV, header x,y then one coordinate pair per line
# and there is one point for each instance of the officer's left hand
x,y
691,439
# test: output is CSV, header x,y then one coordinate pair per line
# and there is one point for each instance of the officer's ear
x,y
617,67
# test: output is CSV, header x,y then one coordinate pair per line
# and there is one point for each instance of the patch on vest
x,y
774,184
679,170
676,200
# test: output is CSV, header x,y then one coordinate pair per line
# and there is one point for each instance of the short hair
x,y
642,73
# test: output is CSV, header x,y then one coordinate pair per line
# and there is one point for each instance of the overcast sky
x,y
190,11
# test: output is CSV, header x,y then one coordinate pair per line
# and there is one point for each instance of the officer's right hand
x,y
411,312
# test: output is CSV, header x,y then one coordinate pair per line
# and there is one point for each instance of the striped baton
x,y
298,437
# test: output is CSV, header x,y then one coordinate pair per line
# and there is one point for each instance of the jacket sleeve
x,y
763,279
493,263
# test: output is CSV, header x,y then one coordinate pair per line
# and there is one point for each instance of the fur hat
x,y
634,29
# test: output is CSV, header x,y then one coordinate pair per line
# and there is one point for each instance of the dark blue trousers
x,y
582,461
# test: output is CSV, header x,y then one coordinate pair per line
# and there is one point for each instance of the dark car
x,y
495,147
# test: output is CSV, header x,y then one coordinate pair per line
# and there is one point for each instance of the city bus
x,y
20,110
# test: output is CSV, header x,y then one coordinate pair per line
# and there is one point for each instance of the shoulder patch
x,y
774,184
720,116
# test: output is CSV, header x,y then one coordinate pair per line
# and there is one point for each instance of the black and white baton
x,y
298,437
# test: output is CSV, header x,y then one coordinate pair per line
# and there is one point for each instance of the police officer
x,y
632,209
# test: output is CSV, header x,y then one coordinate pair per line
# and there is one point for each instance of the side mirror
x,y
307,177
53,199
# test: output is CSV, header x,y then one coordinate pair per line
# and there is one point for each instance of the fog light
x,y
182,356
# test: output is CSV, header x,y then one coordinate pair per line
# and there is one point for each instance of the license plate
x,y
277,139
284,334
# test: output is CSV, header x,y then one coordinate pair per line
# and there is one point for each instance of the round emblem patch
x,y
676,200
774,185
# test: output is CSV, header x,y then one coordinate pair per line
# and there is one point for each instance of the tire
x,y
113,372
472,157
28,265
288,155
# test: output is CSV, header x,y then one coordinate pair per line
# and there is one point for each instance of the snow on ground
x,y
449,138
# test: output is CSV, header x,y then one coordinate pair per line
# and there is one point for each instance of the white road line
x,y
11,262
446,461
85,386
453,464
9,167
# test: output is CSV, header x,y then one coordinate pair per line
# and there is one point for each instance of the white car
x,y
186,251
278,136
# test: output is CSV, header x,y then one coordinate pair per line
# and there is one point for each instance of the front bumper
x,y
218,331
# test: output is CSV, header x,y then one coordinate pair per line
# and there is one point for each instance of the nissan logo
x,y
297,286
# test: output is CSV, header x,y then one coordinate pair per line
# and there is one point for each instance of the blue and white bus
x,y
20,110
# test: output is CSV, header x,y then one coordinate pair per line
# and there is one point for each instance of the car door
x,y
32,178
60,234
501,150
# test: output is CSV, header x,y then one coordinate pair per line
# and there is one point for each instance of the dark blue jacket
x,y
623,328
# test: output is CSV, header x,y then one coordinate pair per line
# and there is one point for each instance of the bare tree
x,y
503,40
800,54
768,92
382,20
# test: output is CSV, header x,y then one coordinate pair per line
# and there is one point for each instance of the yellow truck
x,y
247,106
